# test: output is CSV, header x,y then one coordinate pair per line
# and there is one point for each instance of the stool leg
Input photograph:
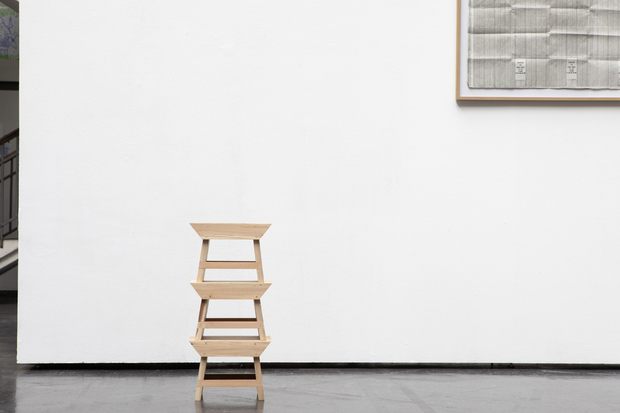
x,y
259,378
201,376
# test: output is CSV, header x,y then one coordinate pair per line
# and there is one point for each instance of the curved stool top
x,y
230,231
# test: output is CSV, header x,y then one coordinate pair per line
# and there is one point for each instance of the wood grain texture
x,y
201,374
258,310
229,323
230,346
204,251
204,306
230,265
229,380
259,379
230,231
259,260
231,290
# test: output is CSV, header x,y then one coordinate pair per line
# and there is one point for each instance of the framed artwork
x,y
554,50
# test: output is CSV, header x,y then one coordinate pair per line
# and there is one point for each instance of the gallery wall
x,y
406,227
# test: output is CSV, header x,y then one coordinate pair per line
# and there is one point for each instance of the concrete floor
x,y
33,389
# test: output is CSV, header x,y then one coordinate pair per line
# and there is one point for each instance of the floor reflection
x,y
202,407
124,391
320,390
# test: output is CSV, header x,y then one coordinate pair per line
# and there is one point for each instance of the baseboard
x,y
268,365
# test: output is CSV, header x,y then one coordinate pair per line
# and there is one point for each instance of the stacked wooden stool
x,y
230,346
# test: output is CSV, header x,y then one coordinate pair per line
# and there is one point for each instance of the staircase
x,y
9,175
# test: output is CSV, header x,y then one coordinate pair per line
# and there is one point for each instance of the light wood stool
x,y
230,346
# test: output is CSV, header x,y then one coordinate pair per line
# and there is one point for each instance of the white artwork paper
x,y
544,44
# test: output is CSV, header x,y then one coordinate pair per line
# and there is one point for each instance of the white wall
x,y
406,228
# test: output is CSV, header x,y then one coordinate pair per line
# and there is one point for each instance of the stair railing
x,y
9,175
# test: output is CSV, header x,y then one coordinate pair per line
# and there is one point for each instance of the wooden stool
x,y
230,346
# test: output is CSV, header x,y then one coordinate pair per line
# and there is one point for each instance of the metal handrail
x,y
9,175
9,136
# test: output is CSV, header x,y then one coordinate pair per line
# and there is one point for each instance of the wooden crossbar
x,y
230,265
228,380
229,323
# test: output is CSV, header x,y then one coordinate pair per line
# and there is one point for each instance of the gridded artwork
x,y
544,44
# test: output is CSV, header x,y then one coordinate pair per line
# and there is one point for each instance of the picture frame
x,y
464,93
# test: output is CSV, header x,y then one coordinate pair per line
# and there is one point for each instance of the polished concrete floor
x,y
33,389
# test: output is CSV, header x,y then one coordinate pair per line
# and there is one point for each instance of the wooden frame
x,y
230,346
464,93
